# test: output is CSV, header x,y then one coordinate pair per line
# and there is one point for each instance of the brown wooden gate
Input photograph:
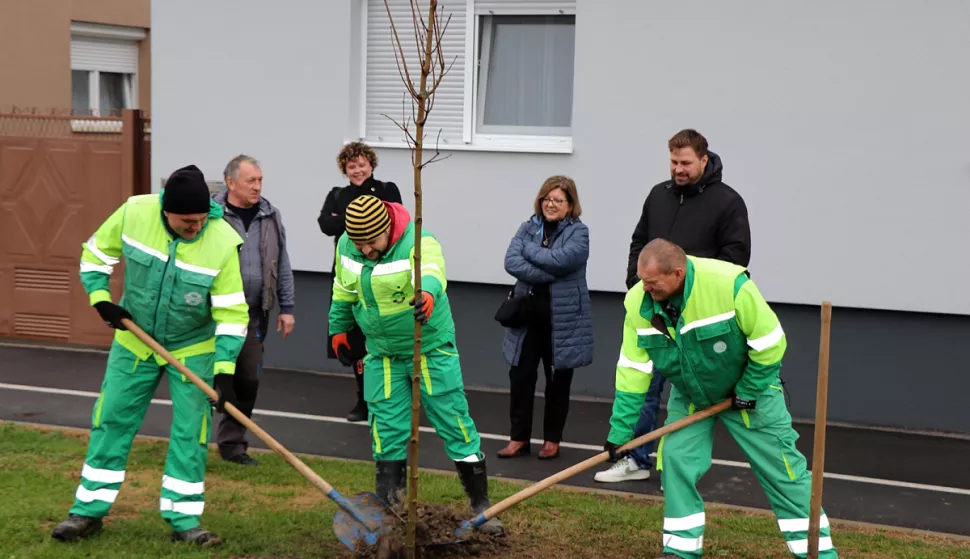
x,y
60,178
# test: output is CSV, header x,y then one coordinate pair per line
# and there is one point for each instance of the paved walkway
x,y
896,479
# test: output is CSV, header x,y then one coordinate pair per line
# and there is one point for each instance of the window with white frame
x,y
515,95
104,68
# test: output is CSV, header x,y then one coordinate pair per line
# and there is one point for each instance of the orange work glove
x,y
340,341
423,304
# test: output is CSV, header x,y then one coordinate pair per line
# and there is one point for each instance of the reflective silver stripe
x,y
624,361
342,288
230,300
471,458
649,332
426,267
196,269
183,487
705,321
684,523
144,248
391,267
102,476
799,547
90,267
93,247
232,330
352,265
683,544
800,524
87,496
193,508
768,340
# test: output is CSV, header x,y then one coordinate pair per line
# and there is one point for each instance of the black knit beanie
x,y
186,192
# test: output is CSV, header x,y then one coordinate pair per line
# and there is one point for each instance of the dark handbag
x,y
515,311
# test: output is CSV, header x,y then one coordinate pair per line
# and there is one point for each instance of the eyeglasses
x,y
553,201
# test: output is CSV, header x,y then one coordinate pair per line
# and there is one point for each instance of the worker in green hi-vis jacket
x,y
710,331
374,287
182,286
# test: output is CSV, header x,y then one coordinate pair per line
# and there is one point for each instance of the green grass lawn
x,y
272,511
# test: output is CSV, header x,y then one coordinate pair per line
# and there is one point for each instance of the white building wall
x,y
843,126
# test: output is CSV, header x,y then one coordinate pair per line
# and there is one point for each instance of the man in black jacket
x,y
696,210
357,162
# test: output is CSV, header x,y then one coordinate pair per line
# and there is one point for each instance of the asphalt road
x,y
896,479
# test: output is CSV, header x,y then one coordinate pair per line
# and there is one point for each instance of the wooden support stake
x,y
818,451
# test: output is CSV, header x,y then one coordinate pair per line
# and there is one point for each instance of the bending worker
x,y
707,327
182,286
373,288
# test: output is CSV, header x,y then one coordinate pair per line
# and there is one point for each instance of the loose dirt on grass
x,y
435,528
272,513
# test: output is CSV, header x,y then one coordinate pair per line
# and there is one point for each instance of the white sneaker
x,y
625,469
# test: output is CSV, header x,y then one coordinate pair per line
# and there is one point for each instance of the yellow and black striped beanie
x,y
366,218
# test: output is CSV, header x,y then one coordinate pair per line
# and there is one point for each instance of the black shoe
x,y
359,413
391,478
243,459
75,528
475,481
198,535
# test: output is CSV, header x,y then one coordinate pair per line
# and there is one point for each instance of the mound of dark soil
x,y
434,531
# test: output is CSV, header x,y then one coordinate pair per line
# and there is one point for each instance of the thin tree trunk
x,y
410,544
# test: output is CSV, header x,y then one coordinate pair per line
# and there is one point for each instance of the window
x,y
516,94
104,69
525,75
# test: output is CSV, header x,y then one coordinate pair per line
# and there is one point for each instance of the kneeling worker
x,y
710,331
373,287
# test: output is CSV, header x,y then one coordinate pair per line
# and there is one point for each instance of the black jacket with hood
x,y
707,219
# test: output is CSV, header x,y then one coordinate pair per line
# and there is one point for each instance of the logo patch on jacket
x,y
193,298
398,297
720,347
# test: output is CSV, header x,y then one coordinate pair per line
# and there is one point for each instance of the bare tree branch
x,y
406,77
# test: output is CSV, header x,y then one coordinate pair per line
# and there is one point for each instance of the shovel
x,y
517,498
362,518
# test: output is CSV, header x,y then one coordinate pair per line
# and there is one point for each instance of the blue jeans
x,y
648,421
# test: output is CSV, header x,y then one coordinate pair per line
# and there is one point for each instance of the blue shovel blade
x,y
352,533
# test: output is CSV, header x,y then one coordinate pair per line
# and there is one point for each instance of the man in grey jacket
x,y
267,280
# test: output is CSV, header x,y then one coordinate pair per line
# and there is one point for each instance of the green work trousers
x,y
766,436
387,388
126,393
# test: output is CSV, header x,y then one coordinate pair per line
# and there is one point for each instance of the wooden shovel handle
x,y
232,410
517,498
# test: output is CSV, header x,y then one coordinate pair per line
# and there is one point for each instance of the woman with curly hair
x,y
357,162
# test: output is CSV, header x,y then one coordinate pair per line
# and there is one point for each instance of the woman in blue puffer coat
x,y
548,258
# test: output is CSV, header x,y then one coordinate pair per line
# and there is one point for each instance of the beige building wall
x,y
35,39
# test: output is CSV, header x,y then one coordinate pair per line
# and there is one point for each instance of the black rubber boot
x,y
474,479
198,535
75,528
392,481
359,413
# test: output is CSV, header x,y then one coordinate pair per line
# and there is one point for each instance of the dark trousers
x,y
537,346
231,435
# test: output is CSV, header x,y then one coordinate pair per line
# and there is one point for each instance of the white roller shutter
x,y
104,55
524,7
386,90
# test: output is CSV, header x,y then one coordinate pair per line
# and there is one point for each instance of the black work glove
x,y
742,404
614,454
112,314
224,388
